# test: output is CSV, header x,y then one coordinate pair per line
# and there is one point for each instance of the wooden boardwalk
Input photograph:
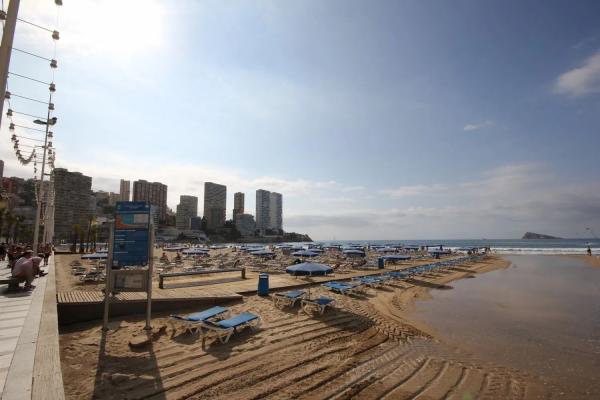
x,y
206,290
158,295
29,352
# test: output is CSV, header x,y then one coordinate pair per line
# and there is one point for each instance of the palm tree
x,y
10,221
18,227
76,233
2,217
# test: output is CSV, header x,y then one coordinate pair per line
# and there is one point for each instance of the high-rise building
x,y
215,199
125,190
1,169
186,209
196,223
153,193
275,208
245,224
263,210
72,191
238,203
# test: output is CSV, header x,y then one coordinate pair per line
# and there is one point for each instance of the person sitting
x,y
164,258
178,257
26,268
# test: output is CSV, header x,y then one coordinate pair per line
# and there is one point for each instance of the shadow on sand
x,y
112,371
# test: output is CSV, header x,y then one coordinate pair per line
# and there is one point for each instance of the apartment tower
x,y
125,190
153,193
186,210
215,199
238,204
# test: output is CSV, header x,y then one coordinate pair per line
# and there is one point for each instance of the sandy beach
x,y
366,347
594,260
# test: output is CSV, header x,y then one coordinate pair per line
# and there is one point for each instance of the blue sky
x,y
388,120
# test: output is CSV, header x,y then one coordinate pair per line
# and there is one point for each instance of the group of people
x,y
22,262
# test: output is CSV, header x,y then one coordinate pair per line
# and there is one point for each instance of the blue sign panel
x,y
131,234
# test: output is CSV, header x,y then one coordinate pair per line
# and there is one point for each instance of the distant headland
x,y
532,235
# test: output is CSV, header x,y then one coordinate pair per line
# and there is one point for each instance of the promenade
x,y
29,353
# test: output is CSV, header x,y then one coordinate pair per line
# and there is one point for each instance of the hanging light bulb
x,y
52,87
7,95
11,126
55,35
50,106
9,113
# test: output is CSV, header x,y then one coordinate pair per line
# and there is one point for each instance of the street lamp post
x,y
38,208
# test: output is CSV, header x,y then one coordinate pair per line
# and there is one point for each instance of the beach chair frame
x,y
281,300
311,305
194,326
208,329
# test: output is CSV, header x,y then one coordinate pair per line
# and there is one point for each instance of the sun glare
x,y
123,29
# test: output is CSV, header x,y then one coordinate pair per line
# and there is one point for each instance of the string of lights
x,y
28,148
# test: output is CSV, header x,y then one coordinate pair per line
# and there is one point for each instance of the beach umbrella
x,y
304,253
195,250
354,253
95,256
309,269
262,253
315,250
175,248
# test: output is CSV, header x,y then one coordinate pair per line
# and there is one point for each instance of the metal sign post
x,y
130,250
150,271
108,279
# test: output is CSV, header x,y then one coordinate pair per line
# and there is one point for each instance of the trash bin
x,y
381,263
263,284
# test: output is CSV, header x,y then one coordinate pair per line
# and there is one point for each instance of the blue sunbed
x,y
191,321
342,287
225,328
319,304
288,298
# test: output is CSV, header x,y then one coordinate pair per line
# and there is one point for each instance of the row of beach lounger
x,y
217,320
361,283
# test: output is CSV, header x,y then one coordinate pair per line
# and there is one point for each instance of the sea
x,y
500,246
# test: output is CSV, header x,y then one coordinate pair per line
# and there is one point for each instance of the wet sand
x,y
594,260
367,347
540,316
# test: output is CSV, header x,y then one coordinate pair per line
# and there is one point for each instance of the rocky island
x,y
532,235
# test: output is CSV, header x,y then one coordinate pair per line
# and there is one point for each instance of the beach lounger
x,y
288,298
343,287
369,281
191,322
319,304
225,328
398,274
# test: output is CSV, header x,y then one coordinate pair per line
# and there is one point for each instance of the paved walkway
x,y
20,316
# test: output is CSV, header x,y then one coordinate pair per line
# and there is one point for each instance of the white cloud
x,y
415,190
476,126
580,81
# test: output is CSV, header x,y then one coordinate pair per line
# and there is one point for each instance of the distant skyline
x,y
380,120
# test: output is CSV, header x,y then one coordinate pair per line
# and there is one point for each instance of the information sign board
x,y
130,280
131,233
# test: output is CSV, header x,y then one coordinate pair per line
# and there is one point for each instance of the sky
x,y
375,120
